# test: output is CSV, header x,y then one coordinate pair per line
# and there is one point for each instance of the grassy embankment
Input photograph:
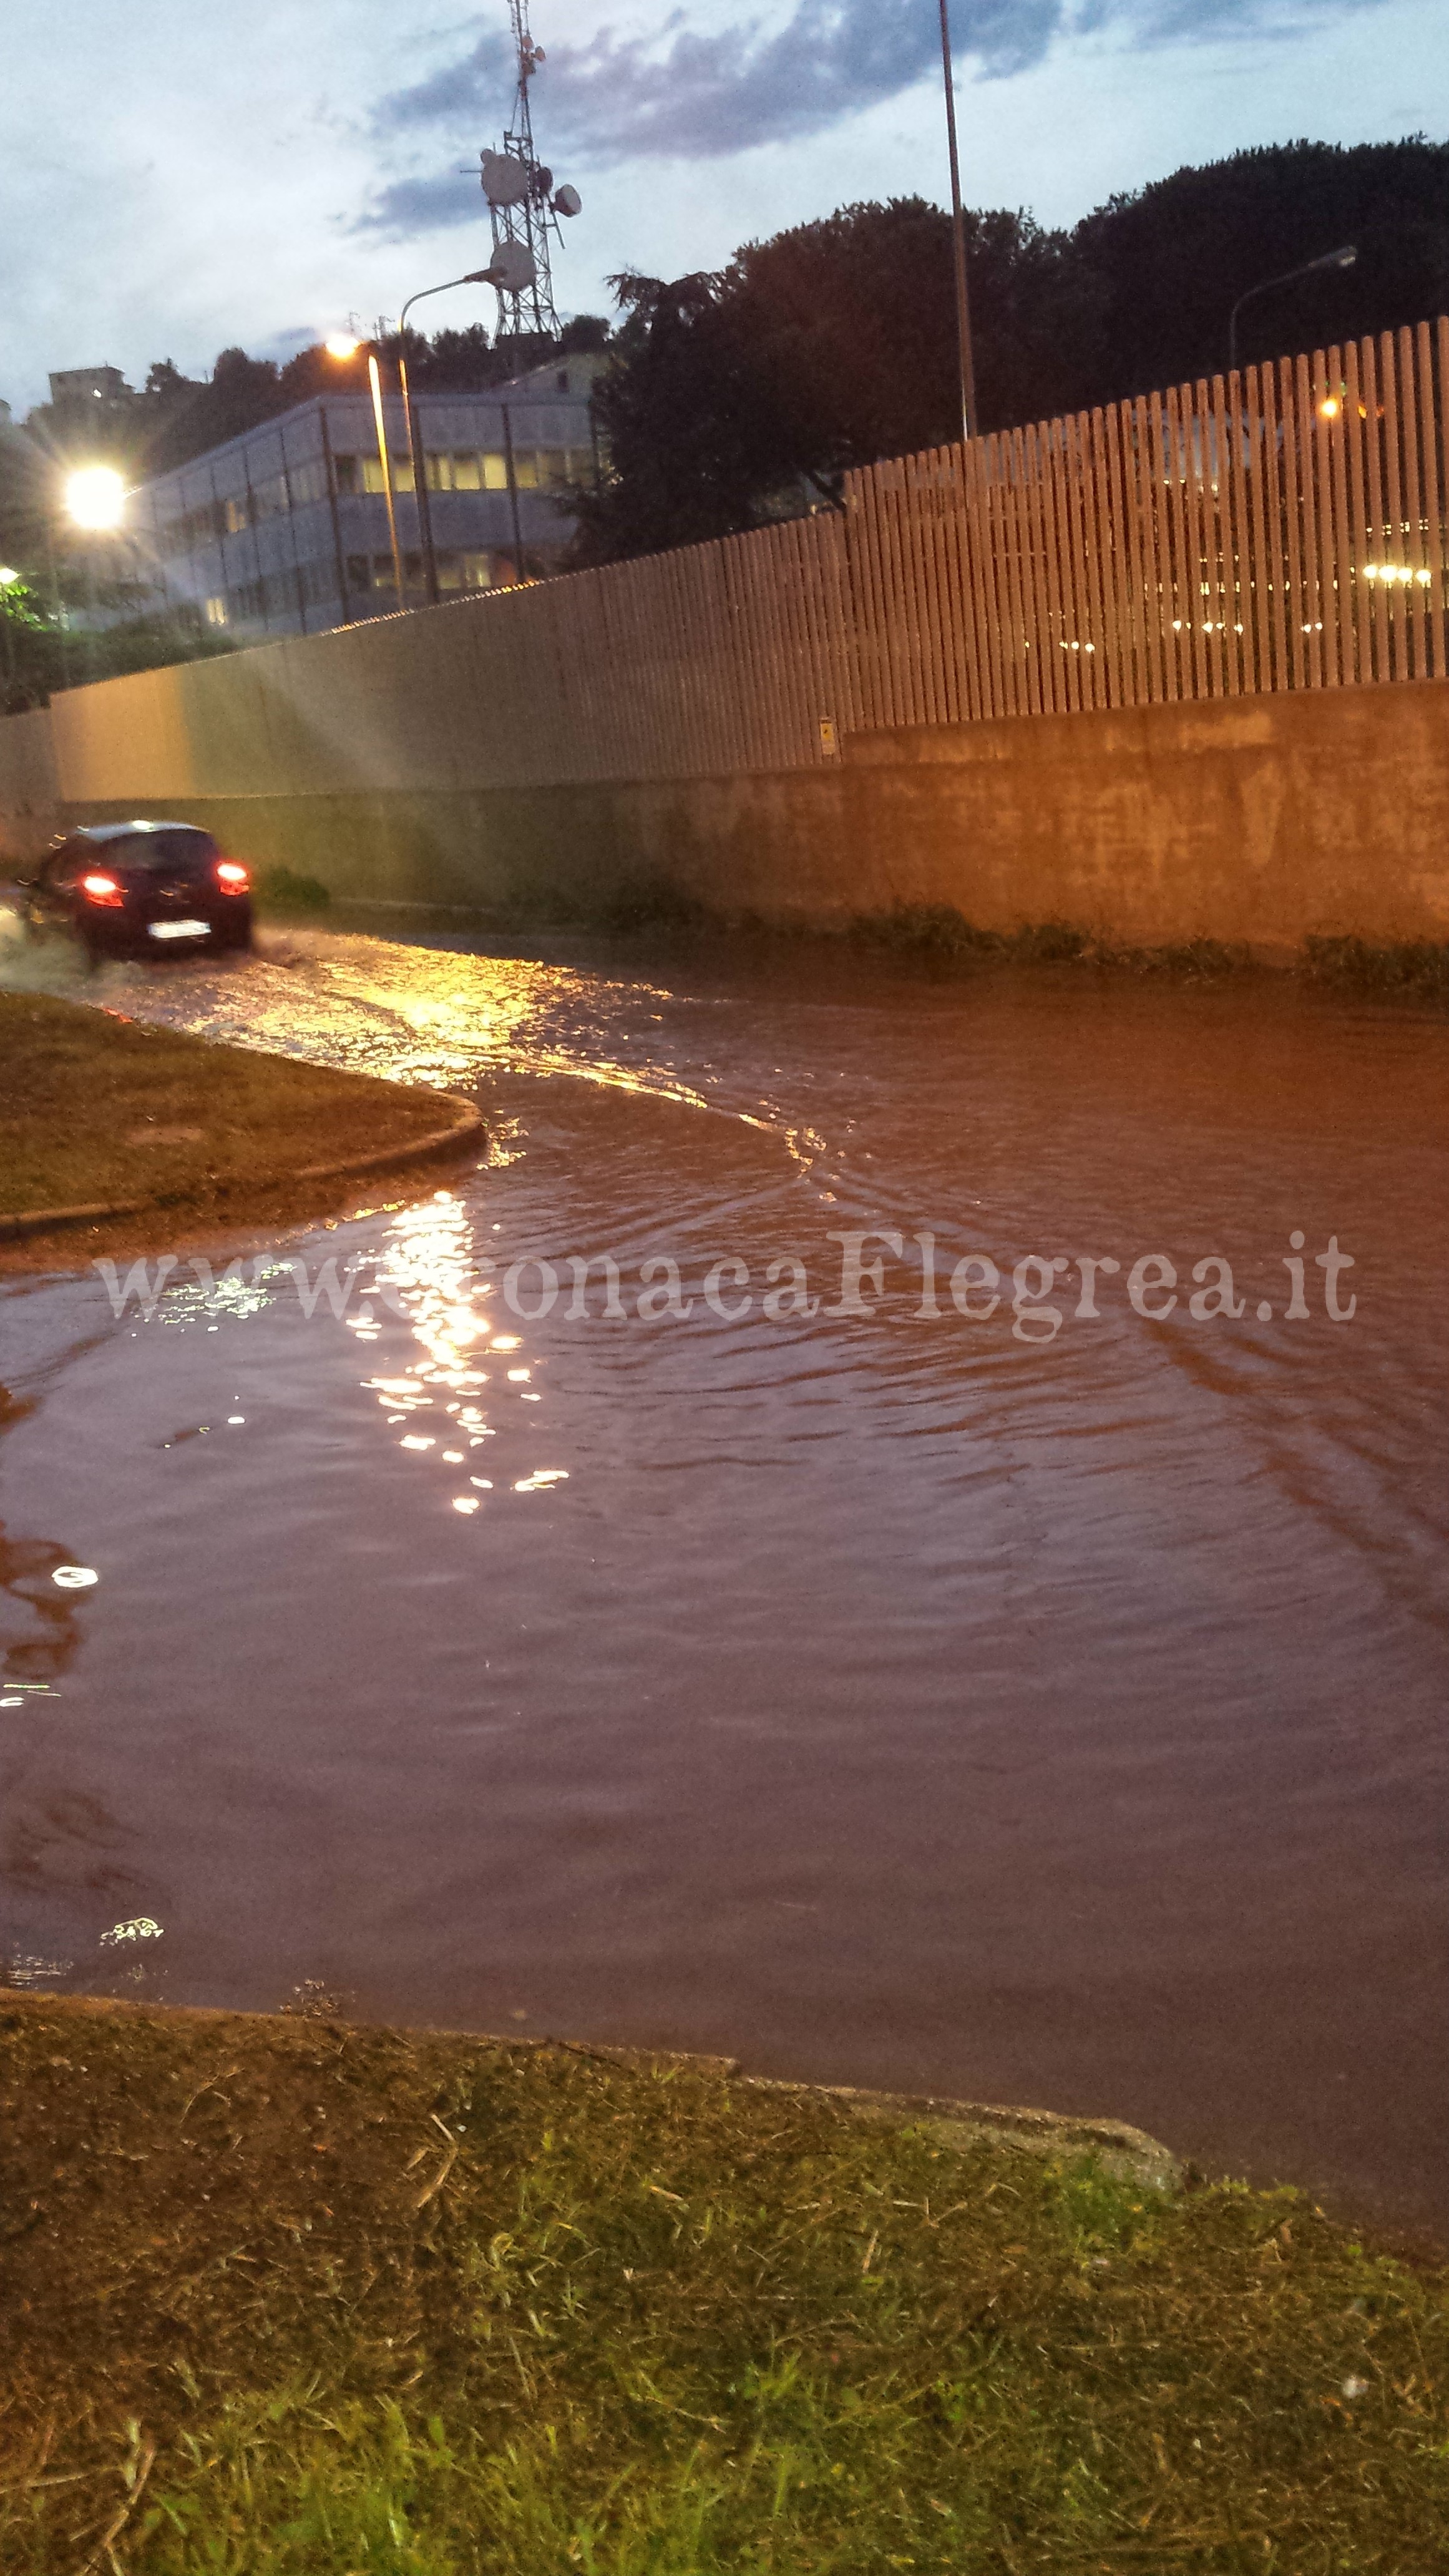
x,y
291,2296
98,1109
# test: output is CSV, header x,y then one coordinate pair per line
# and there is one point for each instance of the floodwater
x,y
1027,1711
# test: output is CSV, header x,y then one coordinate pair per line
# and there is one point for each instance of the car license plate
x,y
180,929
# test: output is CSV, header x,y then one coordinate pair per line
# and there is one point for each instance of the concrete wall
x,y
1257,819
29,785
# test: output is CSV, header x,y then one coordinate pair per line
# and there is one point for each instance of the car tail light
x,y
102,890
231,876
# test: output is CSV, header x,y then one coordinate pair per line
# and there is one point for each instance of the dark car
x,y
125,888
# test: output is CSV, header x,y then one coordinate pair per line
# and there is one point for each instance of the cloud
x,y
678,93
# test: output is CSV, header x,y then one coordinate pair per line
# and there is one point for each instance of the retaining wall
x,y
367,759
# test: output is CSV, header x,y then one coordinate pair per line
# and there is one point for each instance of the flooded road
x,y
1036,1710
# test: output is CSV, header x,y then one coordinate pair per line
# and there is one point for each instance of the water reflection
x,y
40,1626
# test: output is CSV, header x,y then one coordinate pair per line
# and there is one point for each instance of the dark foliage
x,y
1171,260
749,393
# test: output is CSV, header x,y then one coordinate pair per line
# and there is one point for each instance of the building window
x,y
234,514
317,582
309,482
346,469
402,473
216,611
474,571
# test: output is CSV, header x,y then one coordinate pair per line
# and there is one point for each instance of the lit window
x,y
466,474
495,473
525,469
477,571
216,612
402,474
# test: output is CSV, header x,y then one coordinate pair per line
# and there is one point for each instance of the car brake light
x,y
103,890
234,878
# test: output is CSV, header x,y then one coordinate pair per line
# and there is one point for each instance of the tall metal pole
x,y
520,569
422,498
375,380
958,236
421,502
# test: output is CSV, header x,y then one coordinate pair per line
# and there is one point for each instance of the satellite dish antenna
x,y
513,268
524,209
505,180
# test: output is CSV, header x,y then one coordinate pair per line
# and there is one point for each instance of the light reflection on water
x,y
886,1701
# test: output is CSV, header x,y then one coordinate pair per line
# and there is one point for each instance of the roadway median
x,y
113,1130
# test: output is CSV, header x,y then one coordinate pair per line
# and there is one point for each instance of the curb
x,y
1124,2152
441,1140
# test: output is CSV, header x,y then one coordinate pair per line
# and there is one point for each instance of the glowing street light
x,y
95,497
343,345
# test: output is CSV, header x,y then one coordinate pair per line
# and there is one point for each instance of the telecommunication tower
x,y
524,205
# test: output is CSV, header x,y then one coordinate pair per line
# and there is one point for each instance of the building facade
x,y
284,531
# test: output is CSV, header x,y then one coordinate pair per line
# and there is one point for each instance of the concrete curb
x,y
1128,2154
440,1140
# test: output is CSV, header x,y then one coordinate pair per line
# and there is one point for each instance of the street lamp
x,y
1331,259
8,576
473,277
343,345
95,497
958,241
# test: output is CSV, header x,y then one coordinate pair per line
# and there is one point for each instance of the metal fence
x,y
1283,528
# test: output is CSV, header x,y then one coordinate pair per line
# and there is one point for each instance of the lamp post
x,y
95,500
473,277
958,241
8,578
345,344
1330,259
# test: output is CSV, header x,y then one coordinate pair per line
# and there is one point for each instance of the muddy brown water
x,y
955,1702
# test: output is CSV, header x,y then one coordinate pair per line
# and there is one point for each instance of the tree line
x,y
741,393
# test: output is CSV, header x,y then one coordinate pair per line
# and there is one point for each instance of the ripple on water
x,y
882,1697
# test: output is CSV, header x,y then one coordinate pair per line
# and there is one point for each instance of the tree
x,y
1172,259
749,394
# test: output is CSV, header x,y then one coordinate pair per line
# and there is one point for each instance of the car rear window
x,y
176,853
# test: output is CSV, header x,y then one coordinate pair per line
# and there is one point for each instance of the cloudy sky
x,y
176,177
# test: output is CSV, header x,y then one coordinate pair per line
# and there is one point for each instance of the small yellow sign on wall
x,y
829,739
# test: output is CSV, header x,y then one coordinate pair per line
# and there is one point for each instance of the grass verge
x,y
98,1108
294,2296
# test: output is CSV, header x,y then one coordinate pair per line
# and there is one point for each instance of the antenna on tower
x,y
525,207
